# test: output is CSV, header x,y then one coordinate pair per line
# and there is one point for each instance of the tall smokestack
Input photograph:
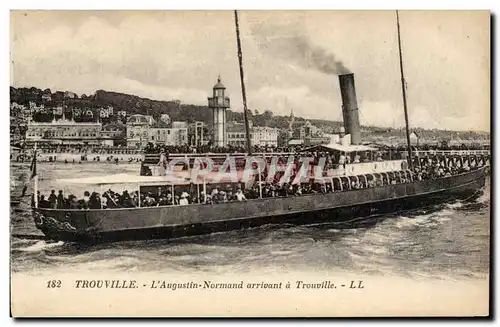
x,y
350,107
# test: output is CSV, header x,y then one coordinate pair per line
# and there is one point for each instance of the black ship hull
x,y
114,225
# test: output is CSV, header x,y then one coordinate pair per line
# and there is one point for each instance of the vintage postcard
x,y
250,163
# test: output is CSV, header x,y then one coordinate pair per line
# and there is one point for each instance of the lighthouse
x,y
219,103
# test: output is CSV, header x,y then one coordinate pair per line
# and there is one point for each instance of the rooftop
x,y
219,85
342,147
138,119
63,122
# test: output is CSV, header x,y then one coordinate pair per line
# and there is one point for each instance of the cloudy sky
x,y
291,60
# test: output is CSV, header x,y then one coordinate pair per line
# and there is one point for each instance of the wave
x,y
455,205
484,198
430,219
40,246
281,252
403,221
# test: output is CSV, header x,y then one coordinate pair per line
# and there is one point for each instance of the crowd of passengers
x,y
156,148
429,168
331,161
109,154
163,196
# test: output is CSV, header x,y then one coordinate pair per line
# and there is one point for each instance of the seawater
x,y
450,241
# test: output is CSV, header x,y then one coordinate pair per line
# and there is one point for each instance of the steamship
x,y
343,206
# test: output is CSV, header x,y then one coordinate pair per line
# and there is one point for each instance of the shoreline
x,y
83,158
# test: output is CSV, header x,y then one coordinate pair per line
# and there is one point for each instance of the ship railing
x,y
358,168
451,152
153,158
222,155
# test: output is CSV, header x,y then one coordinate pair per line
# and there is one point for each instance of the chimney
x,y
350,107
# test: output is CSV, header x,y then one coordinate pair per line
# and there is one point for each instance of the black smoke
x,y
299,49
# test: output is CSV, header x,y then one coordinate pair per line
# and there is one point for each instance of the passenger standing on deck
x,y
125,201
169,199
110,203
215,195
342,161
73,203
183,201
240,196
202,197
53,199
150,200
222,197
162,163
44,203
86,198
60,200
162,200
94,203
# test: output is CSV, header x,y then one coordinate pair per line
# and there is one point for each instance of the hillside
x,y
187,112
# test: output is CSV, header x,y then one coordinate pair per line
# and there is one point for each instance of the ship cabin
x,y
360,159
350,167
362,165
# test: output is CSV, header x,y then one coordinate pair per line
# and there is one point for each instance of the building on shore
x,y
142,130
64,132
46,96
165,118
264,136
259,135
308,135
196,134
308,130
17,130
168,136
17,110
138,131
113,134
235,133
70,95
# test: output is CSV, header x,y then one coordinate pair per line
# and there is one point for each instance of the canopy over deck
x,y
178,178
296,142
340,147
125,179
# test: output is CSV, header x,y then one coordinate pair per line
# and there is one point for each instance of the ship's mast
x,y
34,175
403,86
242,79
